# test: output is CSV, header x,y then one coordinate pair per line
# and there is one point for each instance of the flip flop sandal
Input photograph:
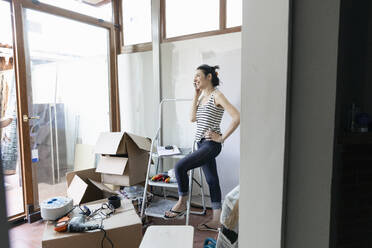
x,y
205,227
179,214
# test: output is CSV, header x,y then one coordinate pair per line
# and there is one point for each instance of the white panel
x,y
137,92
264,85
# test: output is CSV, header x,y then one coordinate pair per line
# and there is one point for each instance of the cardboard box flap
x,y
110,143
84,175
112,165
77,189
142,142
102,187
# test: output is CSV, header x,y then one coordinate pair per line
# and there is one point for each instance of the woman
x,y
207,112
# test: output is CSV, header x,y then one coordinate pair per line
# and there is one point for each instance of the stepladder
x,y
159,205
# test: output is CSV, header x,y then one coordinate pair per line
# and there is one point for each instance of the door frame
x,y
18,6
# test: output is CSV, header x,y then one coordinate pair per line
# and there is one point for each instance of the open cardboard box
x,y
124,158
124,228
85,186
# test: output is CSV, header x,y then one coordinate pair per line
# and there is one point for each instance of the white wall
x,y
138,103
264,86
179,61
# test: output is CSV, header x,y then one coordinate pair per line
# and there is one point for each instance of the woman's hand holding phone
x,y
197,90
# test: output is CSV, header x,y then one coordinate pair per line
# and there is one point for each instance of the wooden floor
x,y
26,235
30,235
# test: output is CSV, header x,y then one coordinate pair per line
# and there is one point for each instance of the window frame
x,y
148,46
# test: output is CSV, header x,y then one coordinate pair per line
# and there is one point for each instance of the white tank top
x,y
208,116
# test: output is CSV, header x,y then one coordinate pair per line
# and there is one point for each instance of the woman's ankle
x,y
182,200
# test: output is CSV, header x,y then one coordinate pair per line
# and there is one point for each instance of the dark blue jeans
x,y
203,157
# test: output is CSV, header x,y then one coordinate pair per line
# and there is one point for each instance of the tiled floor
x,y
30,235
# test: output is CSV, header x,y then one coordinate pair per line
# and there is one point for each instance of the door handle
x,y
26,118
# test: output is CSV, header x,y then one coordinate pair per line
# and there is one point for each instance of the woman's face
x,y
201,81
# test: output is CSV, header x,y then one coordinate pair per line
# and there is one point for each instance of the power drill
x,y
77,224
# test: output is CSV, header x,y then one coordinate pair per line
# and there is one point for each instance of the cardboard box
x,y
124,158
85,186
124,228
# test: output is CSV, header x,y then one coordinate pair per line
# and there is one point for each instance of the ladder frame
x,y
157,140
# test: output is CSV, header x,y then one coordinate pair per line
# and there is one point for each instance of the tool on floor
x,y
77,224
62,223
158,152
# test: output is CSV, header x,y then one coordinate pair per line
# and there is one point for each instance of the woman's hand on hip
x,y
213,136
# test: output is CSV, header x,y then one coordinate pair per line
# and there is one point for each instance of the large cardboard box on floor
x,y
85,186
124,228
124,158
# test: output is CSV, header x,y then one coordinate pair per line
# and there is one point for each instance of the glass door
x,y
68,78
9,143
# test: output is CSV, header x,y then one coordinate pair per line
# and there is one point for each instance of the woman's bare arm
x,y
194,105
221,100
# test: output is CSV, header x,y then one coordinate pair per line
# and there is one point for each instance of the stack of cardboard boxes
x,y
123,162
124,158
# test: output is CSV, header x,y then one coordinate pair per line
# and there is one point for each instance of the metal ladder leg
x,y
191,176
144,199
147,175
202,194
202,191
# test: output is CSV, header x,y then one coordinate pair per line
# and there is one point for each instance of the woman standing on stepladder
x,y
207,112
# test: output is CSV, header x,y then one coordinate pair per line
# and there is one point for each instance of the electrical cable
x,y
103,207
94,212
105,236
67,213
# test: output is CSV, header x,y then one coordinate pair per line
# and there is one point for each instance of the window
x,y
180,20
190,17
233,13
101,9
136,21
5,24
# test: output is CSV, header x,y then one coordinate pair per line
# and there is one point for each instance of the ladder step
x,y
155,155
163,184
184,153
159,206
